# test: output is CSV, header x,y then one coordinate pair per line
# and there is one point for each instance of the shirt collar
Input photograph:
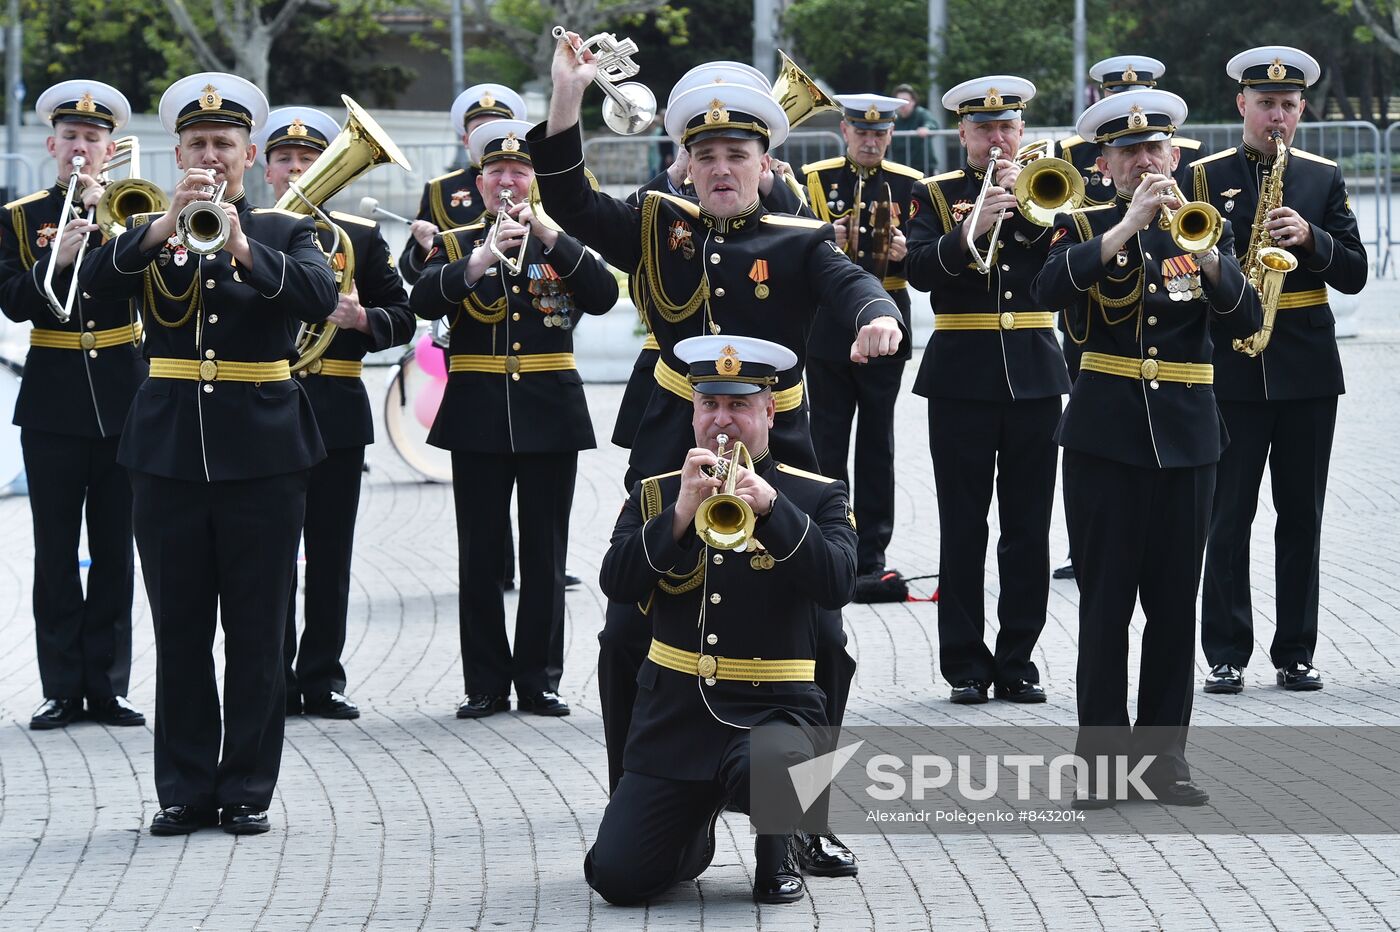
x,y
744,220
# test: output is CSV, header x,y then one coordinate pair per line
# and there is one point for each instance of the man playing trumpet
x,y
79,378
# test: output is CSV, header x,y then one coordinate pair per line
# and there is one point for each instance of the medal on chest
x,y
461,198
1182,277
44,234
549,296
679,237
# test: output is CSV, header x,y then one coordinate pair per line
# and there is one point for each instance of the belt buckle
x,y
208,370
1007,320
706,666
1149,369
87,340
512,364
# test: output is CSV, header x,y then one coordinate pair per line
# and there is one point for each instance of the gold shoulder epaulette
x,y
895,168
824,164
353,218
1222,154
946,176
278,210
689,207
1310,157
793,470
451,174
1182,142
1071,142
787,220
27,199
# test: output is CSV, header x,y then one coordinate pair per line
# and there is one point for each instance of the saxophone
x,y
1266,266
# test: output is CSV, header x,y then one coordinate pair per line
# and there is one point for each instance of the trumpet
x,y
513,266
1034,152
1195,225
631,106
202,225
725,521
63,310
132,194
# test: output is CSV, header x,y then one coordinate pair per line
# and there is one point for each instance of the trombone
x,y
1036,151
131,195
725,521
63,310
630,106
513,266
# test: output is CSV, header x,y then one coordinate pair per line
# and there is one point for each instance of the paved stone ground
x,y
409,818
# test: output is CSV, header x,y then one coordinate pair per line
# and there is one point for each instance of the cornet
x,y
725,521
202,225
630,106
1195,225
514,265
63,310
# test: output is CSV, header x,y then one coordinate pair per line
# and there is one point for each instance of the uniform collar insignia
x,y
740,221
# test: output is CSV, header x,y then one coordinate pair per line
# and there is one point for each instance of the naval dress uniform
x,y
513,415
1280,406
993,374
839,387
220,442
79,378
758,274
1141,437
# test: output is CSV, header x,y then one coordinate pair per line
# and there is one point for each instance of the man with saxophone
x,y
454,199
220,442
993,374
1141,433
514,416
719,264
866,199
372,315
688,753
79,378
1278,389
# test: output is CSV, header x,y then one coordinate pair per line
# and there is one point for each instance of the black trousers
x,y
218,552
1141,534
654,830
544,489
974,443
1295,439
838,390
332,504
83,642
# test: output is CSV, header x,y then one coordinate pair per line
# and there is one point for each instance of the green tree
x,y
888,47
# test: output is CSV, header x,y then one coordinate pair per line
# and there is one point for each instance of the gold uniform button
x,y
719,292
1152,351
719,239
1007,296
515,289
92,324
1152,288
1147,256
715,598
712,639
209,283
719,558
515,376
208,354
709,681
92,353
515,316
515,346
1155,384
213,318
714,258
208,388
1006,268
1152,321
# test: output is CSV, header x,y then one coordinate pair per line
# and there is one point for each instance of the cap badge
x,y
1130,76
718,113
86,104
210,99
993,99
1277,72
487,100
872,114
511,143
1136,118
728,362
298,128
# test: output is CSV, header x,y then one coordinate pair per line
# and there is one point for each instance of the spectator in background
x,y
914,151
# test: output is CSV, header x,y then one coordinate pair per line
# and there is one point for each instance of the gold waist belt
x,y
1303,298
87,340
789,399
650,342
1007,320
1192,373
894,283
731,668
344,368
221,370
514,365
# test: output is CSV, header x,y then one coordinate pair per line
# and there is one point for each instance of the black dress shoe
x,y
1296,677
1180,793
181,820
570,580
115,711
332,705
824,855
244,820
969,692
545,703
293,703
1225,679
1020,691
784,885
56,713
479,705
1063,572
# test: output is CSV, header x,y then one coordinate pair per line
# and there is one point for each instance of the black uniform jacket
x,y
78,392
980,365
1098,189
758,274
831,189
216,431
1301,360
448,201
509,316
342,404
1126,311
724,604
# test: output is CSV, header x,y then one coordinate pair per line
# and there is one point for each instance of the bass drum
x,y
11,456
410,401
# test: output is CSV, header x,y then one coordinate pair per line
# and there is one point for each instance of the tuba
x,y
725,521
131,195
1266,266
360,146
798,94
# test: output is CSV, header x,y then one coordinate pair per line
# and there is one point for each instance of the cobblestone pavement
x,y
409,818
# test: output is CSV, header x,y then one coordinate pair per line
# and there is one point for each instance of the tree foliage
x,y
888,46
